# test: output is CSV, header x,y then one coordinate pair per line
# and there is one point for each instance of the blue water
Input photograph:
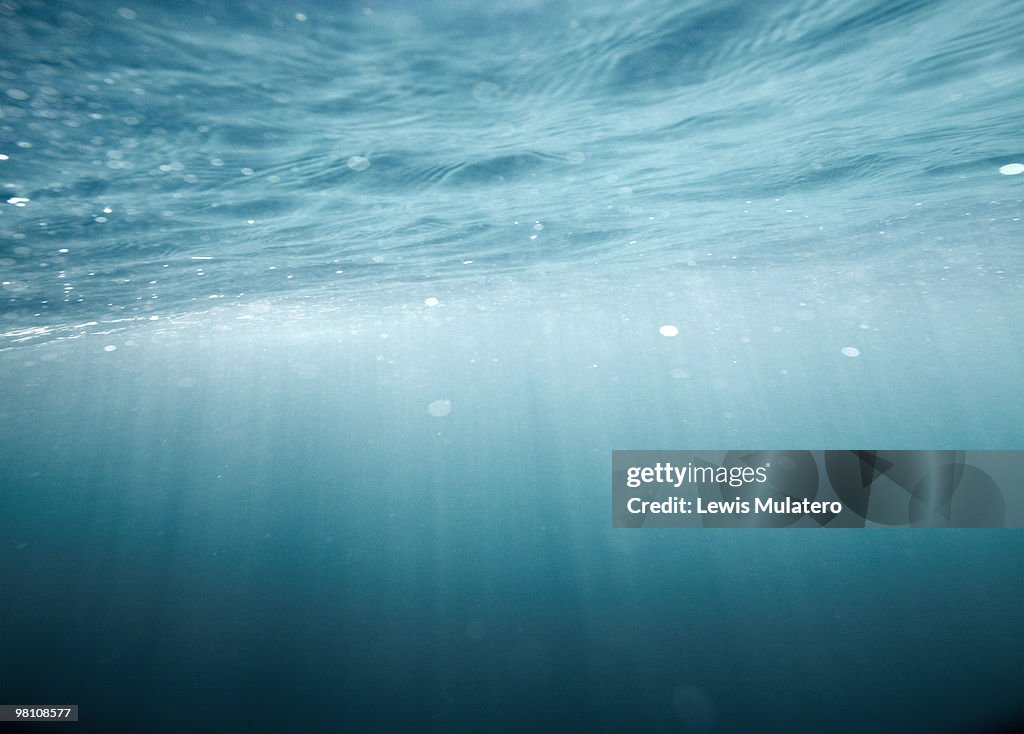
x,y
320,321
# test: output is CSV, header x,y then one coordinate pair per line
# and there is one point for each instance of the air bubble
x,y
440,408
358,163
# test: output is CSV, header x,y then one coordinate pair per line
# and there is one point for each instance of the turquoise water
x,y
320,321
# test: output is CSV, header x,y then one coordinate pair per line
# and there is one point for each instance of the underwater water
x,y
319,322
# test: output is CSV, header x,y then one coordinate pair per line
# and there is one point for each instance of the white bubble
x,y
431,302
358,163
301,17
679,374
850,351
110,348
440,408
576,157
18,94
1012,169
127,13
669,330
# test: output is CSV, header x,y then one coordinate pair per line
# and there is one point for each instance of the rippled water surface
x,y
160,157
320,320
